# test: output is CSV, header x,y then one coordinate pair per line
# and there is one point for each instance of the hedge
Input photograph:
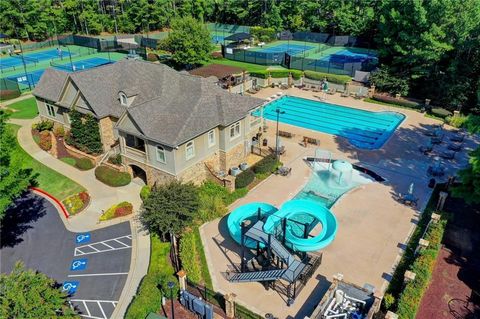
x,y
400,102
112,177
263,74
266,165
145,192
244,179
84,164
440,112
423,268
333,78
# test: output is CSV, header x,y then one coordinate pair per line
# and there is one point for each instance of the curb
x,y
41,191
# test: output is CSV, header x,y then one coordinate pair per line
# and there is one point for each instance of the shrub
x,y
112,177
44,125
263,34
333,78
386,82
77,202
45,140
440,112
58,131
115,159
118,210
266,165
152,57
84,133
212,189
388,300
244,179
188,256
400,102
84,164
456,121
263,74
145,192
69,160
211,207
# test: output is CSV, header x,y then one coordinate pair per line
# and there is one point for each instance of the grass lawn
x,y
160,271
25,109
49,180
250,67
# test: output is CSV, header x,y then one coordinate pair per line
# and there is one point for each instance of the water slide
x,y
275,216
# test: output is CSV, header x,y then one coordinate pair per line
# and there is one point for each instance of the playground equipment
x,y
281,241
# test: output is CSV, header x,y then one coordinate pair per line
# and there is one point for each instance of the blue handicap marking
x,y
82,238
79,264
70,287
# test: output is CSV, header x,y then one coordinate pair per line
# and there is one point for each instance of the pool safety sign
x,y
82,238
79,264
70,287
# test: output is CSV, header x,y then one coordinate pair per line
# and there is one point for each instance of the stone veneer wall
x,y
199,172
106,132
153,175
233,157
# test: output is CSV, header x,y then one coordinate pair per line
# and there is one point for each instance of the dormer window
x,y
123,98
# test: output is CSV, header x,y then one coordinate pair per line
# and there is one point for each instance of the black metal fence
x,y
212,297
9,89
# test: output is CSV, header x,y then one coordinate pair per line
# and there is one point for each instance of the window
x,y
51,110
211,138
235,130
190,150
135,142
123,98
161,154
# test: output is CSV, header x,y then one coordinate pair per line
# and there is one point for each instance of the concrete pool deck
x,y
373,227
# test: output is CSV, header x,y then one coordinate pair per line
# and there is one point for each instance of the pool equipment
x,y
344,306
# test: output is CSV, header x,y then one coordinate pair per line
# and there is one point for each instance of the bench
x,y
285,134
310,140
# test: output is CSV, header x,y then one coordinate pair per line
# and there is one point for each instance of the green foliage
x,y
112,177
400,102
43,125
263,74
59,131
244,179
333,78
212,189
211,206
84,133
385,81
170,208
457,121
423,267
115,159
469,189
440,112
118,210
75,203
268,164
84,164
189,41
15,178
189,256
145,192
69,160
263,34
154,284
24,109
29,294
388,301
470,122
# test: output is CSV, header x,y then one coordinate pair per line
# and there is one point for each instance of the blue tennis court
x,y
291,49
33,58
33,77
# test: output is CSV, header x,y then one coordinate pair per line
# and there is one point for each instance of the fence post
x,y
182,279
230,305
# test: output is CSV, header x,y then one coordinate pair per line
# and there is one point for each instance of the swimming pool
x,y
363,129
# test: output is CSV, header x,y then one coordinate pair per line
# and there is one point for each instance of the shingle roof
x,y
220,71
168,106
50,84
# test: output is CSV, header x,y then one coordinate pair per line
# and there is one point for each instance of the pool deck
x,y
373,226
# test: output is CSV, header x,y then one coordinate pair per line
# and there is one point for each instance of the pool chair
x,y
316,89
425,149
455,146
447,154
457,137
436,139
331,91
408,199
362,93
281,150
284,171
345,94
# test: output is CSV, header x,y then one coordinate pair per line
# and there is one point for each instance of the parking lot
x,y
92,267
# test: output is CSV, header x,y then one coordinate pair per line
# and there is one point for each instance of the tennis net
x,y
25,58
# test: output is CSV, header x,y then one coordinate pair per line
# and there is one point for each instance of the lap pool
x,y
363,129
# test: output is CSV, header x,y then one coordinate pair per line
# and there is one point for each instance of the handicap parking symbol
x,y
70,287
82,238
79,264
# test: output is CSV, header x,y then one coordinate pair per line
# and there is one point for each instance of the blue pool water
x,y
363,129
289,48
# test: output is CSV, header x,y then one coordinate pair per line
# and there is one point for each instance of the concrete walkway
x,y
102,198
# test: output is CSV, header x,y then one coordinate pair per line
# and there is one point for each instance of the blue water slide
x,y
305,207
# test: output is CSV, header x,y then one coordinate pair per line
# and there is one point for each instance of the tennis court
x,y
33,58
343,56
292,49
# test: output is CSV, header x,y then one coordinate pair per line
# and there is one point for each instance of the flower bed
x,y
119,210
76,203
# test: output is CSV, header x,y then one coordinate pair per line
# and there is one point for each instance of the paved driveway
x,y
92,266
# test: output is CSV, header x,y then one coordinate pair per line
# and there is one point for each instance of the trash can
x,y
265,142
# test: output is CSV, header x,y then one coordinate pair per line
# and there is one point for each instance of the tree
x,y
29,294
469,189
14,179
189,41
385,81
170,208
84,133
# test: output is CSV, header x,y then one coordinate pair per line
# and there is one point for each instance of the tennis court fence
x,y
227,28
9,89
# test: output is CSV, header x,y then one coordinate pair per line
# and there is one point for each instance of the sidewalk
x,y
102,198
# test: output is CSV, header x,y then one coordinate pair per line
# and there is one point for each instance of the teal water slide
x,y
273,217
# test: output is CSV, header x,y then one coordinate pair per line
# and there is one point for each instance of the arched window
x,y
189,150
161,154
123,98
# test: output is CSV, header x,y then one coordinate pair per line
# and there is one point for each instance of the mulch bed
x,y
61,149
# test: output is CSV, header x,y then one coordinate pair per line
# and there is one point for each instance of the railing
x,y
135,153
212,297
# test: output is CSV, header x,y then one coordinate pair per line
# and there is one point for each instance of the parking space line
x,y
104,274
88,310
99,304
103,246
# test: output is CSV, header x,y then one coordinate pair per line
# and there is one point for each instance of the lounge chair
x,y
285,134
345,94
436,139
362,93
409,199
448,154
316,89
331,91
281,150
455,146
284,171
458,137
437,132
425,149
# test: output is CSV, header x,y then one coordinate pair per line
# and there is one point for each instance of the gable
x,y
126,123
81,103
69,94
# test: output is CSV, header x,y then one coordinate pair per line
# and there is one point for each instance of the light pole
x,y
25,66
70,56
170,285
277,153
